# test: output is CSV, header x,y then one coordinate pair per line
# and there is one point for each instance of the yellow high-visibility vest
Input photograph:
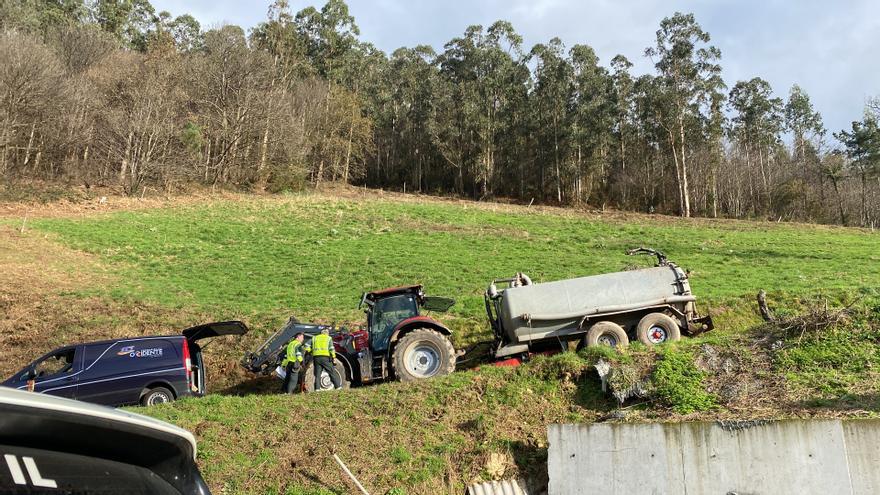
x,y
294,353
322,345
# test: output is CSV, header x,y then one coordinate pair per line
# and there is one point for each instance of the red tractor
x,y
399,341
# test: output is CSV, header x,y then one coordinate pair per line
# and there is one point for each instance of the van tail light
x,y
187,363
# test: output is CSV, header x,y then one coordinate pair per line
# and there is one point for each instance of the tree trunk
x,y
799,154
264,151
30,145
864,198
347,165
556,160
123,167
678,180
4,163
623,178
713,184
684,173
839,202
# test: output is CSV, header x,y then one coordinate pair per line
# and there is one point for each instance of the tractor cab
x,y
387,308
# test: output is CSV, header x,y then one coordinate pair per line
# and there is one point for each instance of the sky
x,y
829,48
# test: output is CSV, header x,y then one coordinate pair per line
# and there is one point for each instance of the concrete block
x,y
744,458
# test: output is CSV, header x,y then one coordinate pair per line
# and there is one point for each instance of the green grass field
x,y
264,258
314,256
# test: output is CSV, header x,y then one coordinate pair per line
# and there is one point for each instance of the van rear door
x,y
216,329
206,331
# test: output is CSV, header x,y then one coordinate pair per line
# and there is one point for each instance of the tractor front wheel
x,y
423,353
308,377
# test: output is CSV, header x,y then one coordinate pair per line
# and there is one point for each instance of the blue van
x,y
141,370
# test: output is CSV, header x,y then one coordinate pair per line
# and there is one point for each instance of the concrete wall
x,y
775,458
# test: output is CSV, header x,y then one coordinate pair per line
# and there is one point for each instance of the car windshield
x,y
53,364
387,313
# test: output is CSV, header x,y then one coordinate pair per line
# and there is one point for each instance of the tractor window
x,y
386,314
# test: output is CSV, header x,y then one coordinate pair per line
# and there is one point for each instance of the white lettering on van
x,y
146,353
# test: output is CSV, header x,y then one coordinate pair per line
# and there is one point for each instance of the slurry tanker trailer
x,y
651,305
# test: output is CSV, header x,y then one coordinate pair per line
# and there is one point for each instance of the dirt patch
x,y
32,324
79,202
743,381
45,303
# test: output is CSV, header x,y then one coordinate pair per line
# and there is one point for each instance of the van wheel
x,y
607,333
157,395
657,328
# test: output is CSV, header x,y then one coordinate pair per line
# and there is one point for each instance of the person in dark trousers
x,y
324,358
292,364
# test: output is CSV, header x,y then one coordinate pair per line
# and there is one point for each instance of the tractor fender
x,y
416,322
345,359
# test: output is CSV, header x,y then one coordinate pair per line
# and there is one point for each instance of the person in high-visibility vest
x,y
292,364
323,358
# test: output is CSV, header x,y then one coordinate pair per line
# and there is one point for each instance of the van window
x,y
57,363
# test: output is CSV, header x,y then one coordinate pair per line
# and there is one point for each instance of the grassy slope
x,y
313,256
264,258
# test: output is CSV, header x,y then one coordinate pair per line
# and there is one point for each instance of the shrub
x,y
679,383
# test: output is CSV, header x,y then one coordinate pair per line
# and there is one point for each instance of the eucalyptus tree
x,y
593,121
41,17
480,73
552,99
186,32
649,102
756,126
129,21
403,105
689,72
805,124
362,68
622,83
328,35
715,147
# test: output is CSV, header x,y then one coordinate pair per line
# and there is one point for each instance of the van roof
x,y
206,330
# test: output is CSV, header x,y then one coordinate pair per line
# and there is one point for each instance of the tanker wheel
x,y
657,328
423,353
308,378
607,333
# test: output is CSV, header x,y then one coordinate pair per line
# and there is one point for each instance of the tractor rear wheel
x,y
607,333
308,377
423,353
